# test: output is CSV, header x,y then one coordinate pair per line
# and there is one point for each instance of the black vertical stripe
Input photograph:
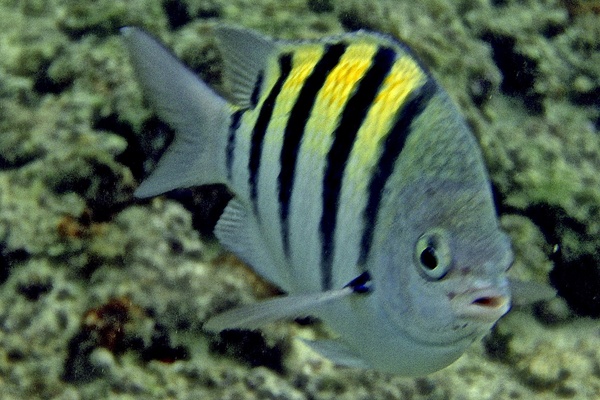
x,y
394,143
234,125
295,129
260,127
353,115
256,90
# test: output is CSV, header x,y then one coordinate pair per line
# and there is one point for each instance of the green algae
x,y
526,75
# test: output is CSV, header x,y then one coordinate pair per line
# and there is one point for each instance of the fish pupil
x,y
428,258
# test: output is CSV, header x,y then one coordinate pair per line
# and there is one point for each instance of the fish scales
x,y
336,102
358,189
344,142
259,131
379,142
316,142
293,132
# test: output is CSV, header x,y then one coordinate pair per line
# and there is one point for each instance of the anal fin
x,y
239,232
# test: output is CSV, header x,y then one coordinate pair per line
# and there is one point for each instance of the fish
x,y
358,189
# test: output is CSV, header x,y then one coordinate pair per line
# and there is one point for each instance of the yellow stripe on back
x,y
405,77
304,60
332,98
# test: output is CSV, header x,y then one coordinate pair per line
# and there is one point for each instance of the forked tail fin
x,y
197,114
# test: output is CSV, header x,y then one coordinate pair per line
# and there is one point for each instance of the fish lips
x,y
486,304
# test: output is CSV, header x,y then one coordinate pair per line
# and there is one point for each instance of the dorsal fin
x,y
245,54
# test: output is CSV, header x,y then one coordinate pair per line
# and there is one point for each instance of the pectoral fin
x,y
254,315
299,305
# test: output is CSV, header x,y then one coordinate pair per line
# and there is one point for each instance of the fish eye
x,y
432,254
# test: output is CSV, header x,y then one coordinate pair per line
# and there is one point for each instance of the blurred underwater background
x,y
104,296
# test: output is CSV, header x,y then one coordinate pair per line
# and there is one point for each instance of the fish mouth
x,y
484,305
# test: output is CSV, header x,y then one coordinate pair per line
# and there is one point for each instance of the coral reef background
x,y
103,296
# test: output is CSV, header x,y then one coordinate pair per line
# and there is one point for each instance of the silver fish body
x,y
359,190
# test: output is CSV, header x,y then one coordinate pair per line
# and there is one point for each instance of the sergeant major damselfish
x,y
358,190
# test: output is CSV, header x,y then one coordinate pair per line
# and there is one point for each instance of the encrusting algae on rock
x,y
75,137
